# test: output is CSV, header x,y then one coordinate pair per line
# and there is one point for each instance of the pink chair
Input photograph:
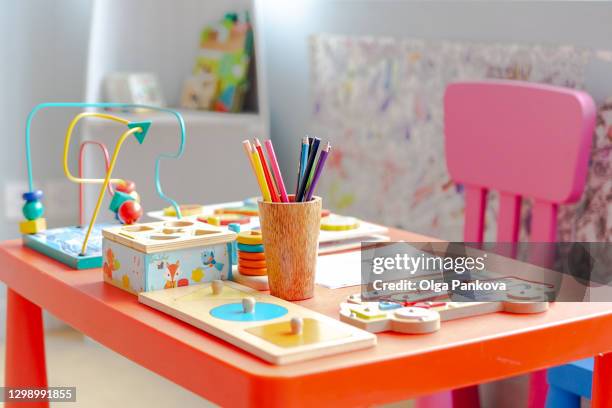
x,y
523,140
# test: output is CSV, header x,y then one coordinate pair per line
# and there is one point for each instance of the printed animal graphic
x,y
172,274
208,259
110,264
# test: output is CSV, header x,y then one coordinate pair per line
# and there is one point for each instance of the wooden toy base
x,y
64,244
277,331
254,282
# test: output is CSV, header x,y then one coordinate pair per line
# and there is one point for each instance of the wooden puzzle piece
x,y
290,333
312,331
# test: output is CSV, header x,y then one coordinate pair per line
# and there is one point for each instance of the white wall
x,y
288,24
42,58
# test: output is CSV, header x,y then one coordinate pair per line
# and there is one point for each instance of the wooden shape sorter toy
x,y
274,330
166,254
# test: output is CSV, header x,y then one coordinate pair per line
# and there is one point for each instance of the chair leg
x,y
560,398
25,347
438,400
602,382
538,386
466,397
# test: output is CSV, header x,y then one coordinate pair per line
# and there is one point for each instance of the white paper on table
x,y
344,269
339,270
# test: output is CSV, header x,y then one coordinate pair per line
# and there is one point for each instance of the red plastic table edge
x,y
373,380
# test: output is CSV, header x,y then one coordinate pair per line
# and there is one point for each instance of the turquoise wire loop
x,y
158,187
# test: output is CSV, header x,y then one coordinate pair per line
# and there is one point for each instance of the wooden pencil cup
x,y
291,241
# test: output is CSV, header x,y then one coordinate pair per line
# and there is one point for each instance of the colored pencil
x,y
302,164
317,173
276,171
266,171
260,175
249,152
312,154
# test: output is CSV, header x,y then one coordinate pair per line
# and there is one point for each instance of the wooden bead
x,y
33,210
129,212
33,195
127,186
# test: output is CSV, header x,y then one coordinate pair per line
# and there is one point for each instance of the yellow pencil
x,y
257,169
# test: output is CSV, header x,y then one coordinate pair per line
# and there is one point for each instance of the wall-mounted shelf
x,y
162,37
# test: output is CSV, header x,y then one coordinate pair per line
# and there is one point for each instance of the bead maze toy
x,y
419,312
76,246
274,330
166,254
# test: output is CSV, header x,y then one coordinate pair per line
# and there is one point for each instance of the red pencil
x,y
264,164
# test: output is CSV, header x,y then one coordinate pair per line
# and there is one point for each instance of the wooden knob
x,y
297,325
217,286
248,304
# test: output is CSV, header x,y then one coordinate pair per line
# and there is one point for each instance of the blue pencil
x,y
301,165
312,154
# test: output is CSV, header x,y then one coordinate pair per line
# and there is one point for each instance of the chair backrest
x,y
523,140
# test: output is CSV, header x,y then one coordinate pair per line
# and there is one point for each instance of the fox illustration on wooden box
x,y
164,255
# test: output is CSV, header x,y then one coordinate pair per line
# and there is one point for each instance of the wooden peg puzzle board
x,y
266,332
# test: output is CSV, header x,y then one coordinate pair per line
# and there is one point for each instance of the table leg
x,y
602,382
538,389
25,347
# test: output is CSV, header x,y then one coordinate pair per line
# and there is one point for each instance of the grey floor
x,y
105,379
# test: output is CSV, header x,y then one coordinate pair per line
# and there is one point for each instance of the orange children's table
x,y
463,352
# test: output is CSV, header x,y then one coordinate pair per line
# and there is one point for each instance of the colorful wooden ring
x,y
252,264
251,256
250,248
252,271
339,223
249,237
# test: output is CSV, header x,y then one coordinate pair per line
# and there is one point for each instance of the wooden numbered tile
x,y
277,331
